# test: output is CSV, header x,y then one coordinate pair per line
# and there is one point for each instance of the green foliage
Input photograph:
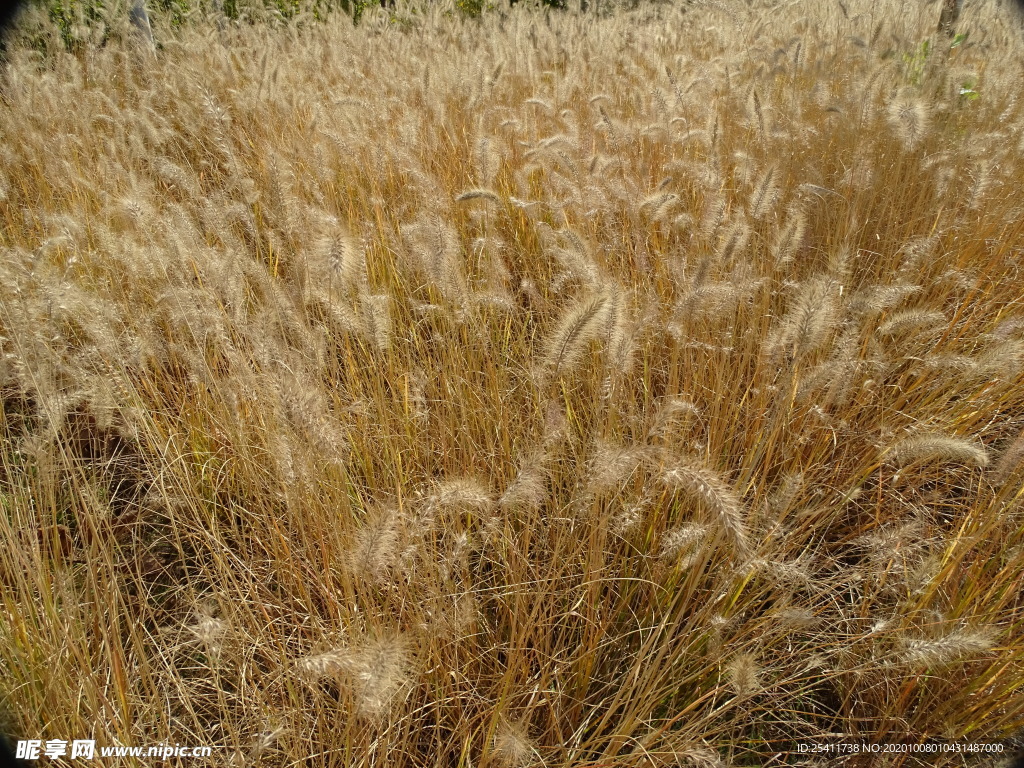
x,y
72,16
177,10
968,90
358,7
75,18
80,20
472,7
915,62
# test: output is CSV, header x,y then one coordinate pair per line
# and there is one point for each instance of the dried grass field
x,y
569,389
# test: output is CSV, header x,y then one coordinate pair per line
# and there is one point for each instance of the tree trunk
x,y
950,13
218,12
140,22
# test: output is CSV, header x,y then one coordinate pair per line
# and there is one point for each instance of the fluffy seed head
x,y
909,118
715,495
375,673
612,466
948,649
766,193
682,543
810,319
463,494
318,666
375,549
379,673
376,319
512,746
1010,460
527,491
937,447
580,324
744,675
478,194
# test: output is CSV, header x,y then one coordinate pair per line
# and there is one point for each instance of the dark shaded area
x,y
7,13
7,759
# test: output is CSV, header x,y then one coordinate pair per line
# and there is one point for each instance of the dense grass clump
x,y
624,389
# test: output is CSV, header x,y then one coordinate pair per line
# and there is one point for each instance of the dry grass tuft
x,y
636,386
